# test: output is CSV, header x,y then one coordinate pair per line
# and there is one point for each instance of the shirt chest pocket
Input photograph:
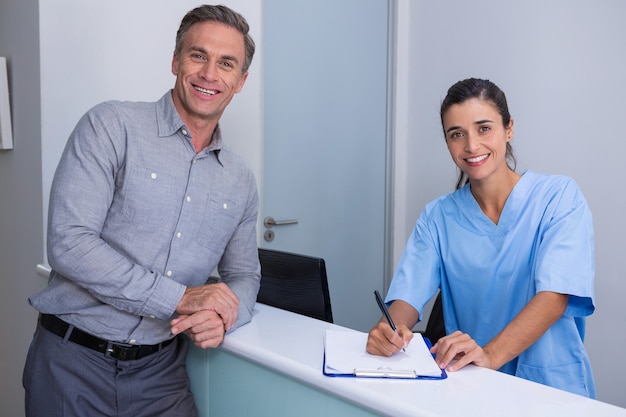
x,y
221,218
148,197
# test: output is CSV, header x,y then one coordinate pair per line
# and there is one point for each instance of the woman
x,y
512,253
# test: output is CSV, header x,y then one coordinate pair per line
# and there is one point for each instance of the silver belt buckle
x,y
121,351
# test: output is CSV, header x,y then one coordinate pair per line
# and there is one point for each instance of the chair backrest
x,y
293,282
435,328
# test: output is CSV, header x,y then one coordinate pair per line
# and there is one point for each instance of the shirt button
x,y
179,234
188,198
153,176
168,273
152,316
184,132
132,341
225,206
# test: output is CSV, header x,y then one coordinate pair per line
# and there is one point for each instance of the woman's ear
x,y
510,131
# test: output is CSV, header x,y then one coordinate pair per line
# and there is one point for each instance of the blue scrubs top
x,y
487,273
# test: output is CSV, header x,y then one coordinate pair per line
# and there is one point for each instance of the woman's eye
x,y
485,128
455,135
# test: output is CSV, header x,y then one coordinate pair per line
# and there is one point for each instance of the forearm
x,y
246,290
113,279
543,310
403,314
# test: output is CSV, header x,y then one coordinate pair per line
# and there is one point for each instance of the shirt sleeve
x,y
565,259
239,267
418,274
81,194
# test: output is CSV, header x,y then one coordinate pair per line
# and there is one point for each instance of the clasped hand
x,y
206,313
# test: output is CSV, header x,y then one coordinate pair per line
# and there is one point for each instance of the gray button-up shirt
x,y
136,216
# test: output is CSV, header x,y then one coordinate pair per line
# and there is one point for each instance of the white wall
x,y
561,64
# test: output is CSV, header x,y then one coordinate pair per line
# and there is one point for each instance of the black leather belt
x,y
116,350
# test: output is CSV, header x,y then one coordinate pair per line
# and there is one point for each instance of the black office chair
x,y
297,283
435,328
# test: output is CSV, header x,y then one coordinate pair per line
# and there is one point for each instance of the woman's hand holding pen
x,y
383,341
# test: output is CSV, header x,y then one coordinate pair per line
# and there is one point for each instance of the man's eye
x,y
227,64
197,58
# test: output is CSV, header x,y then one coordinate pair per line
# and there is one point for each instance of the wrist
x,y
494,356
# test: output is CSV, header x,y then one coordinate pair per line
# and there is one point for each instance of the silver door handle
x,y
269,222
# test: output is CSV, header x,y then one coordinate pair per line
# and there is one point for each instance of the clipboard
x,y
345,356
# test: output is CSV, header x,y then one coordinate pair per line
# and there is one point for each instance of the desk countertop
x,y
292,345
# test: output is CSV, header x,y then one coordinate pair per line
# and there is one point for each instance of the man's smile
x,y
205,91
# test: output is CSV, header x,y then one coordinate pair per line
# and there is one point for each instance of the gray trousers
x,y
64,379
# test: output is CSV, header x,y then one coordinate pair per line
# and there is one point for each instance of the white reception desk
x,y
273,367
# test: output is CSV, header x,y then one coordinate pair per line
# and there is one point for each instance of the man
x,y
146,202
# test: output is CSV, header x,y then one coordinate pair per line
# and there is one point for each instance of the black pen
x,y
383,308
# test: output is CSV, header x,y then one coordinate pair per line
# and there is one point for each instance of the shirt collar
x,y
169,122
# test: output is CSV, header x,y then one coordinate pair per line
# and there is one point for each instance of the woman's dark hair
x,y
220,14
484,90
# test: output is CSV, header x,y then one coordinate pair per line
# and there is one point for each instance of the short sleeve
x,y
417,276
565,258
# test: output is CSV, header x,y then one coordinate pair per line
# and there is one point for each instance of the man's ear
x,y
242,81
175,64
